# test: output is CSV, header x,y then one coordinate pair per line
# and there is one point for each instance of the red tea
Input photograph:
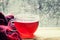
x,y
27,25
26,28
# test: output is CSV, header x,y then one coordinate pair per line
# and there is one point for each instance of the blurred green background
x,y
48,10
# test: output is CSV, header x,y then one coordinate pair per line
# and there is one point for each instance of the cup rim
x,y
27,18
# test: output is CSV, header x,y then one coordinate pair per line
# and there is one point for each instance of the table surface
x,y
48,32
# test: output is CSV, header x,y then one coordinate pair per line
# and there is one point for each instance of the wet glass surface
x,y
48,10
